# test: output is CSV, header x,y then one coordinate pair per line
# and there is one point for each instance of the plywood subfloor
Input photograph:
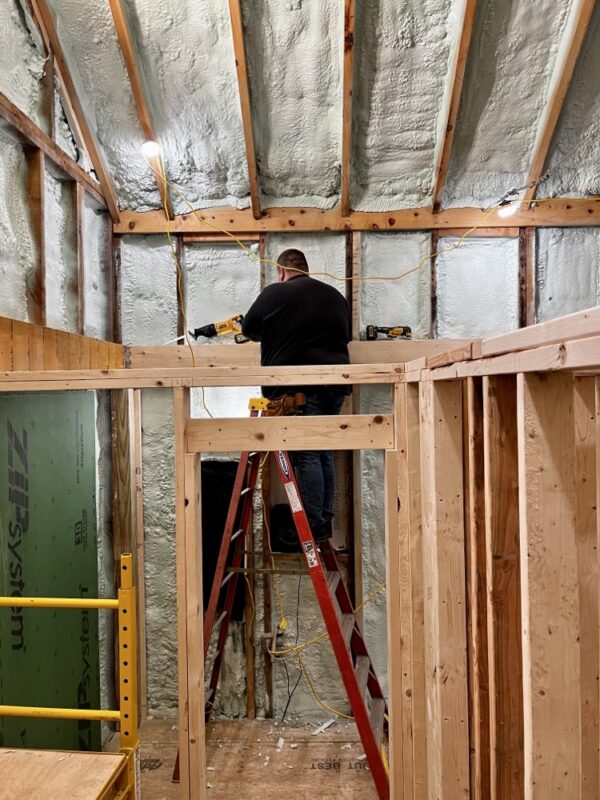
x,y
54,775
244,762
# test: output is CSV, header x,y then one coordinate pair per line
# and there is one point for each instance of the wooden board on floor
x,y
244,761
53,774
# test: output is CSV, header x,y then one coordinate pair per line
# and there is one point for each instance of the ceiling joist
x,y
549,213
349,19
137,87
458,75
574,35
241,65
45,21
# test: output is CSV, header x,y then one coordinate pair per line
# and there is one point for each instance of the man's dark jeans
x,y
315,472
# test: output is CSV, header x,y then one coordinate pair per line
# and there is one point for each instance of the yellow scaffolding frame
x,y
124,783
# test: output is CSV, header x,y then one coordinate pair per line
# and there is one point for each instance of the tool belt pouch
x,y
288,405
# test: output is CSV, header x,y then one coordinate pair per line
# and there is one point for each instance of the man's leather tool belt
x,y
285,406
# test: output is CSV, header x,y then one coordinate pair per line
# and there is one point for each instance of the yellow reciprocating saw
x,y
231,325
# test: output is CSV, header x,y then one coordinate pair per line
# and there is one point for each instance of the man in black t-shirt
x,y
299,321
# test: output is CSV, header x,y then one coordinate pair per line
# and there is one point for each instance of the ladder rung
x,y
227,578
363,664
347,626
377,718
333,579
236,534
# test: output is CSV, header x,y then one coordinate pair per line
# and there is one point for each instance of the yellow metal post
x,y
127,655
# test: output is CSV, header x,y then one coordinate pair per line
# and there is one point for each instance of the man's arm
x,y
253,320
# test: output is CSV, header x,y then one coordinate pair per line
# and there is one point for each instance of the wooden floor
x,y
244,761
55,775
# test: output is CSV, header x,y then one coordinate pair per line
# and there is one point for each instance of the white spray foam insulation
x,y
568,271
576,142
96,259
405,301
17,249
325,253
374,400
148,291
149,316
402,52
21,61
477,287
186,54
220,282
513,52
305,621
294,54
61,255
91,48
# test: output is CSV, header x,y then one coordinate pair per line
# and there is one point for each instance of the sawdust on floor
x,y
248,759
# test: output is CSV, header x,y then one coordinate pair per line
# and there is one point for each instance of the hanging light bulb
x,y
150,149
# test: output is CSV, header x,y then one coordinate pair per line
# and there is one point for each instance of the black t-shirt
x,y
300,321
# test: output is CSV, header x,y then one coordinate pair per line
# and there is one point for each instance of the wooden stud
x,y
554,212
140,558
139,97
549,601
457,73
34,136
479,716
502,547
6,344
20,345
181,403
433,324
575,30
36,192
45,19
586,517
444,576
482,232
123,472
181,288
237,30
346,174
48,95
79,202
527,288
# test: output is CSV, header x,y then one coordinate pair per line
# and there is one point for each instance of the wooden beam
x,y
45,19
483,232
123,472
36,191
30,134
475,556
527,293
458,74
444,577
352,432
549,213
550,604
346,175
239,49
139,96
586,518
575,30
502,578
380,352
578,325
79,203
218,238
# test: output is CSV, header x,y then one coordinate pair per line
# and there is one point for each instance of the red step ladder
x,y
356,668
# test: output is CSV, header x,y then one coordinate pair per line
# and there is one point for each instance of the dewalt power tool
x,y
395,332
231,325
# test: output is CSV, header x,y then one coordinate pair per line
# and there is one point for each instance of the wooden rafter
x,y
241,65
551,213
563,72
458,74
137,87
349,16
30,134
46,22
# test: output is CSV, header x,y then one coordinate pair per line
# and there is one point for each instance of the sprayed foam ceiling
x,y
403,57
